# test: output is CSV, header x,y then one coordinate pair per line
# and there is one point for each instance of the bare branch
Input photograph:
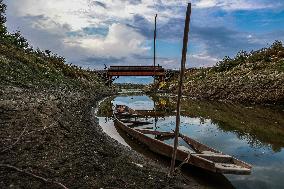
x,y
44,128
33,175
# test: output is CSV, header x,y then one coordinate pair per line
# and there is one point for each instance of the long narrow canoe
x,y
198,154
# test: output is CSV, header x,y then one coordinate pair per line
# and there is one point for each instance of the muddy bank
x,y
54,134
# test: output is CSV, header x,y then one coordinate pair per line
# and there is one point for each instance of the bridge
x,y
158,72
136,71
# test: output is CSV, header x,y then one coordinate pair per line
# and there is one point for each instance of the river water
x,y
254,134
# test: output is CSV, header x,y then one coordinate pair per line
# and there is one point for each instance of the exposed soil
x,y
53,134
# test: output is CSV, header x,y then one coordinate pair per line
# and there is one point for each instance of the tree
x,y
2,12
3,29
16,38
20,41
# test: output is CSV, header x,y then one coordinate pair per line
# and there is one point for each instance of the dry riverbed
x,y
53,135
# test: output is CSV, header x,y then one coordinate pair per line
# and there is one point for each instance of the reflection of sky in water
x,y
135,102
135,79
268,166
107,126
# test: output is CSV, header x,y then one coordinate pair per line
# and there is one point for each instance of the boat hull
x,y
214,163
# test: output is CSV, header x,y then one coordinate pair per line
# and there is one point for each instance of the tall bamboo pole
x,y
155,35
183,61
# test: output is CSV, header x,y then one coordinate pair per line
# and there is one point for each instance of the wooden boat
x,y
198,154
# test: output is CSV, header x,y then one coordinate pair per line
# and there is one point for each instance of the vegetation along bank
x,y
255,77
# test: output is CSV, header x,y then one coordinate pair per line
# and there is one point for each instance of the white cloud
x,y
230,5
85,13
202,60
120,41
206,3
71,12
194,60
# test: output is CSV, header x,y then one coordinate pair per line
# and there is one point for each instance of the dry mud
x,y
53,134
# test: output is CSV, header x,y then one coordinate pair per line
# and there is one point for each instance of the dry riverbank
x,y
53,134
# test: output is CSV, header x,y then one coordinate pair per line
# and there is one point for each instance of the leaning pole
x,y
155,36
182,71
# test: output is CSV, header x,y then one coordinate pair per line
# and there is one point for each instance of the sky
x,y
94,33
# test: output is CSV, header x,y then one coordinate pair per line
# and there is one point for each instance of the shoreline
x,y
224,100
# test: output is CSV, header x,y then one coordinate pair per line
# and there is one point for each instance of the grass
x,y
30,69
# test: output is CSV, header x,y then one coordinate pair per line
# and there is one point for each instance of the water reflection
x,y
254,134
258,125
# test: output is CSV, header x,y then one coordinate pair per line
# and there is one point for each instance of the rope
x,y
182,163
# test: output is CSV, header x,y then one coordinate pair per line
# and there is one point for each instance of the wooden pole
x,y
155,35
183,61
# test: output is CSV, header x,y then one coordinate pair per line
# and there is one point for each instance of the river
x,y
252,133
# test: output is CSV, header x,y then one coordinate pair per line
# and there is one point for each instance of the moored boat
x,y
196,153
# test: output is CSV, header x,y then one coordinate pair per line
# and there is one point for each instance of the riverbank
x,y
54,134
255,77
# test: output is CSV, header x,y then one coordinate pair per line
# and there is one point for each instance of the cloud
x,y
37,35
230,5
201,60
70,12
221,41
99,4
120,41
102,61
94,32
193,61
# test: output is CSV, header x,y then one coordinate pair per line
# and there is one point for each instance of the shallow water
x,y
254,134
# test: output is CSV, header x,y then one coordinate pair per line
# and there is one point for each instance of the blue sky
x,y
92,33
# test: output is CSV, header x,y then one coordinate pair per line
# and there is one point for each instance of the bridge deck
x,y
136,71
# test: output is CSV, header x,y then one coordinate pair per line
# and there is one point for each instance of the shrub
x,y
272,53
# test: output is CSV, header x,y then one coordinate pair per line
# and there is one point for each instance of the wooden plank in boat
x,y
144,131
217,158
197,145
185,149
231,169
